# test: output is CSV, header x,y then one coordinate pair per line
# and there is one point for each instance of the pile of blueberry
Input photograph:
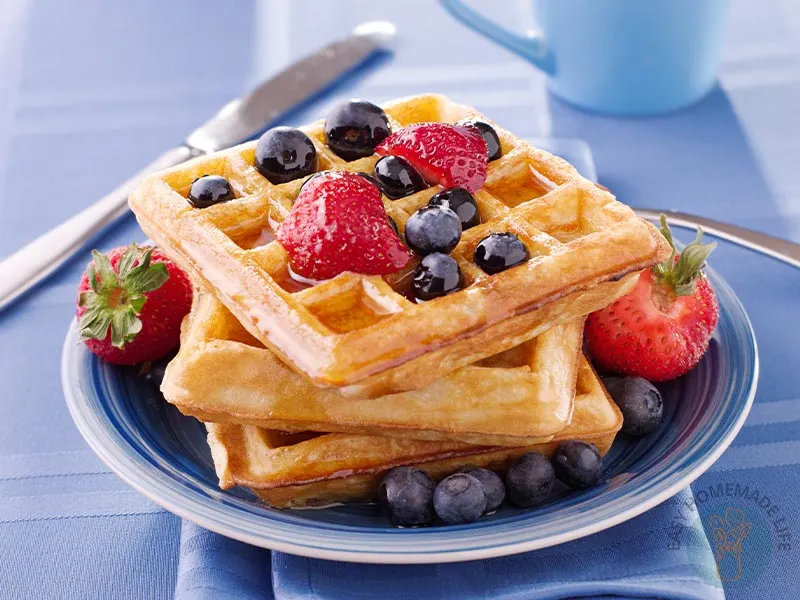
x,y
434,230
412,499
353,129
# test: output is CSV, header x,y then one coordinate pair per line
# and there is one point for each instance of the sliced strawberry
x,y
662,328
444,154
338,224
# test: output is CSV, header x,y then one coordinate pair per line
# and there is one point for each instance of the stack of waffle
x,y
311,393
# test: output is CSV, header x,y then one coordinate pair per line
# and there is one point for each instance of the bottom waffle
x,y
311,469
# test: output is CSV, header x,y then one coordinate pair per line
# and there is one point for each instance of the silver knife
x,y
235,122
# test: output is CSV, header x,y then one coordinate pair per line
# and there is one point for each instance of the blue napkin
x,y
663,553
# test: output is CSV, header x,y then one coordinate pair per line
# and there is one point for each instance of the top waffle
x,y
362,333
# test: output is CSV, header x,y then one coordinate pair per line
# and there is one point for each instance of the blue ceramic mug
x,y
625,57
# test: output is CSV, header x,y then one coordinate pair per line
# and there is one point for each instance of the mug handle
x,y
531,47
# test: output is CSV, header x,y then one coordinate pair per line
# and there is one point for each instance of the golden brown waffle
x,y
523,396
303,469
362,333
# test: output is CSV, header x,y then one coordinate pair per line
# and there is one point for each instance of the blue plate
x,y
163,454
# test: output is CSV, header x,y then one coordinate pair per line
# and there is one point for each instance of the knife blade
x,y
235,122
243,117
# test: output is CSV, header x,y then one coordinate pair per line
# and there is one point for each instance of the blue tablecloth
x,y
652,556
91,90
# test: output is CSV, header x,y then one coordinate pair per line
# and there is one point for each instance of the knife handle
x,y
32,263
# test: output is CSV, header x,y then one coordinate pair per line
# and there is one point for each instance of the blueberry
x,y
397,178
355,127
530,480
461,202
433,229
284,154
640,403
459,498
407,494
500,251
489,136
209,190
577,464
492,486
436,275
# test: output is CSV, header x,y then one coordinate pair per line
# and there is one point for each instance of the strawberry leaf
x,y
94,324
91,274
145,261
146,278
88,299
124,327
117,297
105,272
128,259
680,275
137,304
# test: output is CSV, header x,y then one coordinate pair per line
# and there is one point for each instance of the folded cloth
x,y
663,553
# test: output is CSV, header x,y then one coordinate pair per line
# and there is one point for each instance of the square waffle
x,y
364,334
307,469
523,396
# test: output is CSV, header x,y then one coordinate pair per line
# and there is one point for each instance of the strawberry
x,y
662,328
338,224
131,302
444,154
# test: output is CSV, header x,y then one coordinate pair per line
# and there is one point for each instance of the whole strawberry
x,y
338,224
662,328
444,154
131,302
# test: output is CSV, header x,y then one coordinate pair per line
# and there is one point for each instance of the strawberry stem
x,y
680,275
116,298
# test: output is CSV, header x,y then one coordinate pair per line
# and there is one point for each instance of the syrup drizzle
x,y
265,237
